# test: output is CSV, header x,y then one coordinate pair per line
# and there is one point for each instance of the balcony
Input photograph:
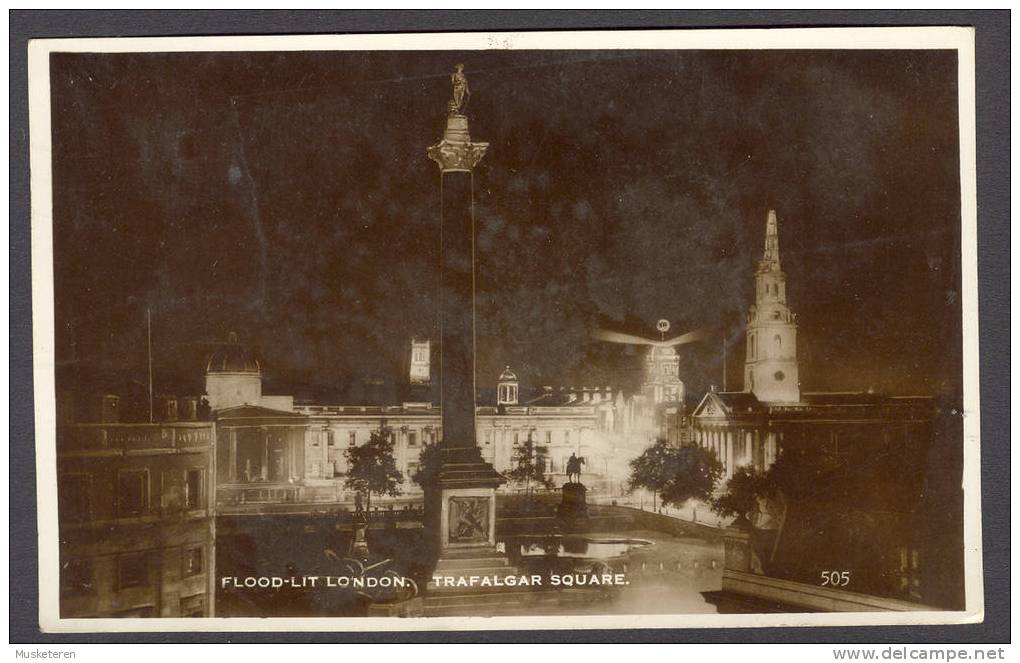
x,y
124,439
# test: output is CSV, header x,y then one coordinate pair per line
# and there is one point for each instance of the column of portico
x,y
264,434
324,443
232,468
729,453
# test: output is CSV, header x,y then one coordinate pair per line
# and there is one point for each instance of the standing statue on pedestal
x,y
461,91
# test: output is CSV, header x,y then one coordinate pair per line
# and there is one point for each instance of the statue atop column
x,y
456,151
461,91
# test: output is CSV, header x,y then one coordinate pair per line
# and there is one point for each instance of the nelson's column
x,y
462,507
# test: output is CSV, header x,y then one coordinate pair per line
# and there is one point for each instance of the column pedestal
x,y
465,501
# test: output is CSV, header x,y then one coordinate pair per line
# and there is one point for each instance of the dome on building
x,y
233,358
507,375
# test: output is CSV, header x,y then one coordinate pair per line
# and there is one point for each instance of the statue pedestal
x,y
359,544
574,504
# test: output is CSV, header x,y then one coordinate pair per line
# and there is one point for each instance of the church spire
x,y
771,258
770,369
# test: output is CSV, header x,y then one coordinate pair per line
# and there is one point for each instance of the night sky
x,y
287,196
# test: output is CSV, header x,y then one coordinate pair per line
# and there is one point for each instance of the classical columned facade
x,y
746,443
260,454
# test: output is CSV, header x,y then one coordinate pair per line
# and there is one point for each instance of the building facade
x,y
136,519
271,451
574,427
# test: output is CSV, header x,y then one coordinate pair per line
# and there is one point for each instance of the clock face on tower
x,y
779,376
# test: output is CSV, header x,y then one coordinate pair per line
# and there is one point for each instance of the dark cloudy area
x,y
287,196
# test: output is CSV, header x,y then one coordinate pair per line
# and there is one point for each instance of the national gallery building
x,y
271,449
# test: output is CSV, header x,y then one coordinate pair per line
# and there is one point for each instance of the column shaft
x,y
456,351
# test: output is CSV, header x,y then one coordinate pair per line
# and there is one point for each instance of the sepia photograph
x,y
471,331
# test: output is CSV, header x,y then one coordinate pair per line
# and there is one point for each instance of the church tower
x,y
770,370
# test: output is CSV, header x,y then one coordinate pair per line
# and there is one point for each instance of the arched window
x,y
777,340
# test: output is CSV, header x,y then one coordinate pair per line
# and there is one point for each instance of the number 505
x,y
835,578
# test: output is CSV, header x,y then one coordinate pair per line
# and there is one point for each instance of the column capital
x,y
457,157
455,152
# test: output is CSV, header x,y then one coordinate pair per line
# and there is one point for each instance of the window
x,y
488,437
74,497
132,492
193,490
330,438
548,437
412,438
193,558
76,577
517,438
777,340
133,571
193,606
352,438
412,469
566,437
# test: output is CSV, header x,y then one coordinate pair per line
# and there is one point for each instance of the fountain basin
x,y
558,550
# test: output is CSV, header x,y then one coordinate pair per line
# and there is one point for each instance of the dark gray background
x,y
993,178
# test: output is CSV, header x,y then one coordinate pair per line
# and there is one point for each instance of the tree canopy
x,y
372,468
695,474
430,461
677,474
528,465
742,492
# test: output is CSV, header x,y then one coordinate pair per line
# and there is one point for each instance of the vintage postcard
x,y
506,331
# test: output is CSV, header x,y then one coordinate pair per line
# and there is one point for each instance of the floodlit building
x,y
136,519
